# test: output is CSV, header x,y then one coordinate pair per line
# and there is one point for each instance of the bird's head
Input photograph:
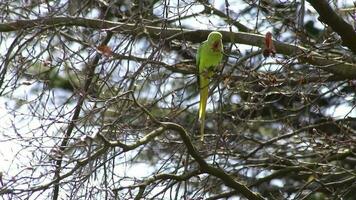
x,y
214,39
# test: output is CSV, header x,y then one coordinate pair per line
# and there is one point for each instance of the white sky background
x,y
9,149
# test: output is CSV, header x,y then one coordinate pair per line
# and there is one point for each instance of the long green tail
x,y
204,90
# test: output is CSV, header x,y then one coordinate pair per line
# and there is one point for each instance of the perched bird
x,y
209,55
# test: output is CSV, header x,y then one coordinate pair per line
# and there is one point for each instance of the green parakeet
x,y
209,55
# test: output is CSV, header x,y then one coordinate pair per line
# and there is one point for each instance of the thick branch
x,y
205,167
339,68
331,18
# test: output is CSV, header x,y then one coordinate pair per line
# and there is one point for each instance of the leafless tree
x,y
99,100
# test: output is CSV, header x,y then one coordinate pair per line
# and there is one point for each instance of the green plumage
x,y
209,56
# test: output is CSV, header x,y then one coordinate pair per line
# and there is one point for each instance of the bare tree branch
x,y
340,26
339,68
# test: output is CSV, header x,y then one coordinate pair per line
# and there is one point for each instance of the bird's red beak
x,y
216,46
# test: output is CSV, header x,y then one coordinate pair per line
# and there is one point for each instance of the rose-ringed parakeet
x,y
209,55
